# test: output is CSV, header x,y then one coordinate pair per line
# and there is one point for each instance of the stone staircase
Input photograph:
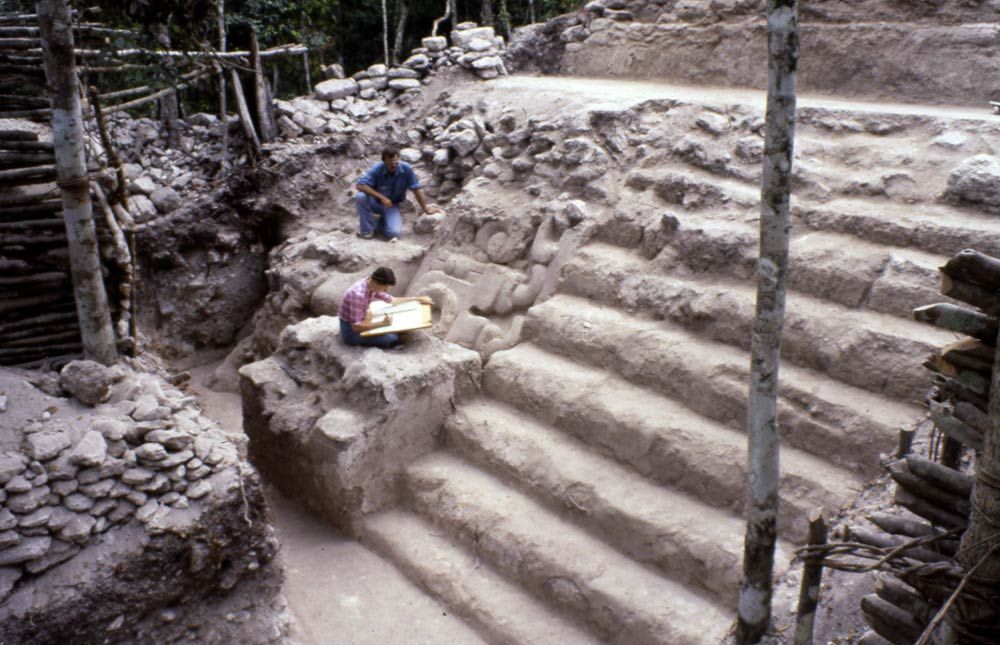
x,y
592,491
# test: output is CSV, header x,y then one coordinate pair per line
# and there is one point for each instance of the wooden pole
x,y
754,614
812,575
252,142
223,112
265,107
97,334
121,187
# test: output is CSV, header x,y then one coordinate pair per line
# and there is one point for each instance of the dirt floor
x,y
338,591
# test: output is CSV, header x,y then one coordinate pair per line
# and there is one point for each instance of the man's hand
x,y
430,210
385,201
426,300
387,321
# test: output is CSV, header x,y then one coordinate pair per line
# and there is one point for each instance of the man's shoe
x,y
366,236
393,240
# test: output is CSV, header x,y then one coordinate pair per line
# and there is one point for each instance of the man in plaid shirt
x,y
356,317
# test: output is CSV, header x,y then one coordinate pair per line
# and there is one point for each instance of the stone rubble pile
x,y
146,453
477,49
161,178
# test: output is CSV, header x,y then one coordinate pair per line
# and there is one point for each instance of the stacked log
x,y
904,604
37,309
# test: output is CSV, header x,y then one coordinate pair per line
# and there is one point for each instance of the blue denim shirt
x,y
392,186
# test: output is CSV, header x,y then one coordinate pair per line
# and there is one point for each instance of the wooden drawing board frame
x,y
408,316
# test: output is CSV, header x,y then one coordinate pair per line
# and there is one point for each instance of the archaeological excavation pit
x,y
561,457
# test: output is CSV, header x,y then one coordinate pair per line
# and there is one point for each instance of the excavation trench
x,y
578,405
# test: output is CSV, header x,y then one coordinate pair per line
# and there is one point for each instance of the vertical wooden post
x,y
252,142
114,159
305,54
754,614
223,112
265,107
812,576
905,442
56,32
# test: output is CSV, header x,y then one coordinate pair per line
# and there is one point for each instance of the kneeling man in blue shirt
x,y
381,191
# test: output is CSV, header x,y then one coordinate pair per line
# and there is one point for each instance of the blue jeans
x,y
352,337
390,224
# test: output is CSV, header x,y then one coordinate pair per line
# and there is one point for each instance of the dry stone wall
x,y
122,509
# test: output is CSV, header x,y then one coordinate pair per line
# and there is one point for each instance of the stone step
x,y
932,227
498,609
832,266
844,424
870,350
655,435
622,601
694,543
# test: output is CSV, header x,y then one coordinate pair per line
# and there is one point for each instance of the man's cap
x,y
384,275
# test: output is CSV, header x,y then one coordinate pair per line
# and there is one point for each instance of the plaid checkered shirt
x,y
354,304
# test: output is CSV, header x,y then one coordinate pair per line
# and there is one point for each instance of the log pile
x,y
37,309
917,549
907,600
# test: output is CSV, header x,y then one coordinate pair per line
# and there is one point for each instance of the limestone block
x,y
143,185
402,72
333,71
410,155
334,89
288,128
463,141
435,43
90,451
309,106
402,84
487,63
28,549
30,501
713,123
950,140
45,445
377,69
462,38
142,208
441,157
750,149
418,62
479,45
166,199
12,464
976,180
358,111
309,124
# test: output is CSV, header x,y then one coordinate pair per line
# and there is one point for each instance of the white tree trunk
x,y
56,32
385,35
223,116
765,348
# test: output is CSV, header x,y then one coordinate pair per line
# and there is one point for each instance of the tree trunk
x,y
168,104
812,575
385,35
56,34
262,96
504,22
754,614
403,11
975,613
486,13
249,134
531,11
223,116
305,56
